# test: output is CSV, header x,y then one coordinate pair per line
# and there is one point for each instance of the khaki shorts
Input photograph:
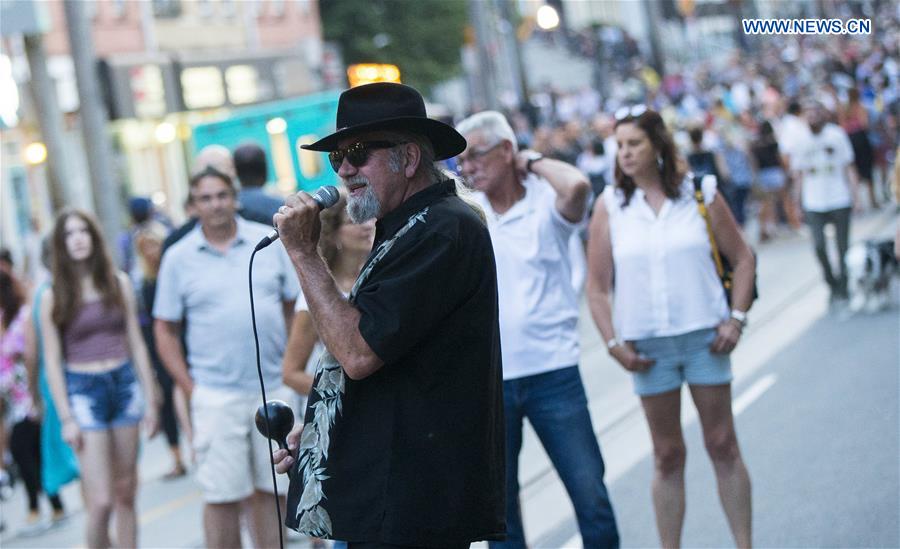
x,y
233,459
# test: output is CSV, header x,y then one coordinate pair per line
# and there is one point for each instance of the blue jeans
x,y
556,406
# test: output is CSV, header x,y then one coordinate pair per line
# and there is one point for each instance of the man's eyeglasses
x,y
475,155
630,112
358,153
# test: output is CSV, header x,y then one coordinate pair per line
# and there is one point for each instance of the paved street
x,y
816,404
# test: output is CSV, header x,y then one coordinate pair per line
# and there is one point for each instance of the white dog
x,y
871,265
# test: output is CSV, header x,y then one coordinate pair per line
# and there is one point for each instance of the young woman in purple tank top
x,y
99,373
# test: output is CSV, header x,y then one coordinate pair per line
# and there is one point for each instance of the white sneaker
x,y
34,526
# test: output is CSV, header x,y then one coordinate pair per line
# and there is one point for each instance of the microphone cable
x,y
262,387
325,197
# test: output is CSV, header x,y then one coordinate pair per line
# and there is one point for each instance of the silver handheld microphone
x,y
325,197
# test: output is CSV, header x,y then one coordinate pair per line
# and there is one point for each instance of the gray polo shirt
x,y
210,290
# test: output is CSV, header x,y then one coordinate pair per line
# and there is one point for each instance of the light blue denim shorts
x,y
681,358
105,400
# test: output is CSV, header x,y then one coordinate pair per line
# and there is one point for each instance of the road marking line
x,y
168,507
753,392
739,404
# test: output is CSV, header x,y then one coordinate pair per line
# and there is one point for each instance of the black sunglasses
x,y
358,153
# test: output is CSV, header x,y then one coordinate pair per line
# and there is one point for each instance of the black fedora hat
x,y
389,106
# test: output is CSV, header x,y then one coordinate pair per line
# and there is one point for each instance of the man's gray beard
x,y
363,208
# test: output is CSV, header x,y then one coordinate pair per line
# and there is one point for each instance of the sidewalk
x,y
170,511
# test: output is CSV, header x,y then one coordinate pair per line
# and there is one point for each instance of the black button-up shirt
x,y
415,452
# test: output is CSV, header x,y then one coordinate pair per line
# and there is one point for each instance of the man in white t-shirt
x,y
822,162
533,207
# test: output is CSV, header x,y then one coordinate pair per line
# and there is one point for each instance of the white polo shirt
x,y
665,279
822,160
210,288
538,305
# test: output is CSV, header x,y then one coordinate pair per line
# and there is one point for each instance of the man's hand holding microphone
x,y
297,222
298,227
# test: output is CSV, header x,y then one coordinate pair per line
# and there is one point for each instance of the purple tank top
x,y
96,333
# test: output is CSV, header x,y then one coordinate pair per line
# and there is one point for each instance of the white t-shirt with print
x,y
821,160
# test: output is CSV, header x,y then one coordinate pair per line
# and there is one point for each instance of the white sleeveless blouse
x,y
665,280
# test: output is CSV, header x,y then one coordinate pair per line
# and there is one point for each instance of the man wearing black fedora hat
x,y
402,442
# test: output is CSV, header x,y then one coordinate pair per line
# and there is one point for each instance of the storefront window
x,y
202,87
204,8
166,9
242,83
147,91
120,8
229,9
276,8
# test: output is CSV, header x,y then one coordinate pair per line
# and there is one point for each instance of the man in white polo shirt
x,y
822,161
203,279
534,205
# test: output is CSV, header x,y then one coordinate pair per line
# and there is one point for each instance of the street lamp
x,y
165,133
35,153
276,126
547,17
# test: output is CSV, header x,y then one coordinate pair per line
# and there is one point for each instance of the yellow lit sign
x,y
686,7
366,73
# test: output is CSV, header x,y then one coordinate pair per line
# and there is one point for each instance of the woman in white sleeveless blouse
x,y
656,298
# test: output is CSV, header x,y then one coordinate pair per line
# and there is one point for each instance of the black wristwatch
x,y
532,157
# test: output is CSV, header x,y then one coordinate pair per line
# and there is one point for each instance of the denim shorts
x,y
771,179
105,400
680,358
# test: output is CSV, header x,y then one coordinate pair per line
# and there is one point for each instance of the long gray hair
x,y
436,171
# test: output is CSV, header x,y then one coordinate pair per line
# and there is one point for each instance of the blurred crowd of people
x,y
739,116
90,353
84,364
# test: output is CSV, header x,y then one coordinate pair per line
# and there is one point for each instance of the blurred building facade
x,y
164,67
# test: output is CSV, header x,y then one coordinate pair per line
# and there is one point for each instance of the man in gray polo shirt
x,y
203,279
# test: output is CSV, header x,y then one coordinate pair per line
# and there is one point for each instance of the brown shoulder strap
x,y
701,206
